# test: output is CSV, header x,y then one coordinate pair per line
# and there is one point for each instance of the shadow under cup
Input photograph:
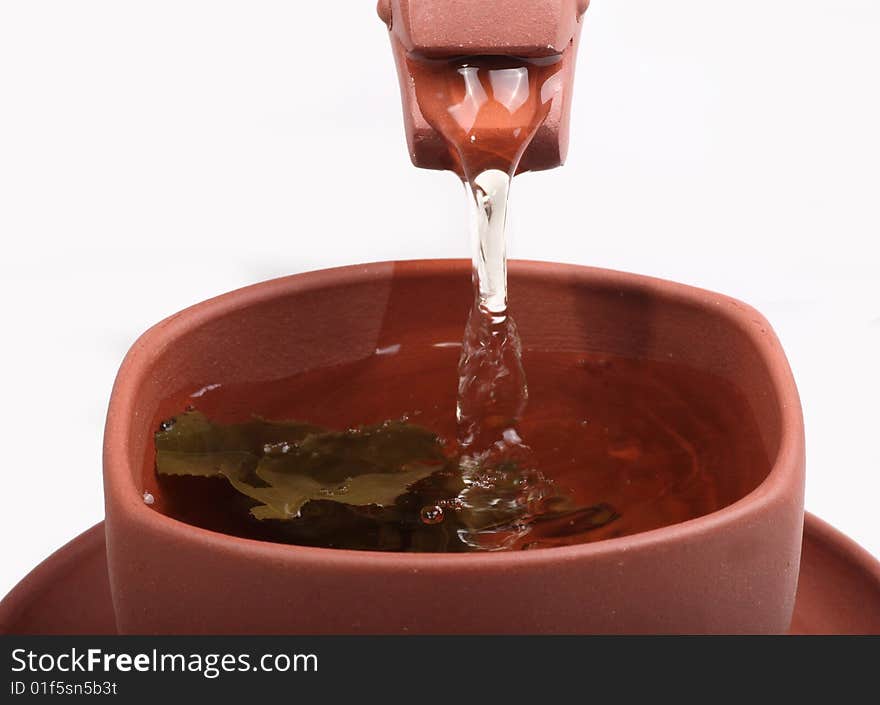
x,y
734,570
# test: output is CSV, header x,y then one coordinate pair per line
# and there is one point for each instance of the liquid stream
x,y
488,109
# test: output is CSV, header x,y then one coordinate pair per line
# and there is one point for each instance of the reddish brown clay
x,y
840,585
440,28
69,593
734,570
446,28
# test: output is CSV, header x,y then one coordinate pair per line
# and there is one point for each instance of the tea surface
x,y
615,446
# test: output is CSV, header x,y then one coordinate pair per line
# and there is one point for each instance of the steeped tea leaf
x,y
285,465
388,445
286,493
334,456
192,432
229,463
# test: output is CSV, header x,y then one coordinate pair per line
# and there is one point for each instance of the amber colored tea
x,y
625,446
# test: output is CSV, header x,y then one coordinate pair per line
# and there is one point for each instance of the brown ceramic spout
x,y
448,28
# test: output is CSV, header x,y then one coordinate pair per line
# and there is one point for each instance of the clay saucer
x,y
68,593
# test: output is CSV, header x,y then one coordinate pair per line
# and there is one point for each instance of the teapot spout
x,y
438,29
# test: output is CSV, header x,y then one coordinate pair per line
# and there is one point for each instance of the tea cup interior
x,y
338,317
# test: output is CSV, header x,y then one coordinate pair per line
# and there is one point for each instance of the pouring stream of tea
x,y
488,109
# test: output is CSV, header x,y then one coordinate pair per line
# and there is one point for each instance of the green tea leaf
x,y
285,465
335,456
192,432
227,463
286,493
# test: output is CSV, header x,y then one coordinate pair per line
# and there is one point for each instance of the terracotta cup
x,y
731,571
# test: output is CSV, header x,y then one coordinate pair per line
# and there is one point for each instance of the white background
x,y
154,154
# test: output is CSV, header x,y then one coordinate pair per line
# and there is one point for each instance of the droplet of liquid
x,y
166,425
148,498
432,514
281,448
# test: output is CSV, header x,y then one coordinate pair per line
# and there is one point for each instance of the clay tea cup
x,y
733,570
